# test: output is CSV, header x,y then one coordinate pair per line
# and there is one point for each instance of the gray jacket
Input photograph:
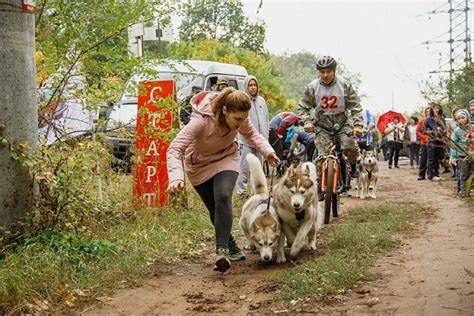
x,y
258,113
351,117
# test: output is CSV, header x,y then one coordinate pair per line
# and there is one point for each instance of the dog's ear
x,y
291,170
306,170
253,227
363,152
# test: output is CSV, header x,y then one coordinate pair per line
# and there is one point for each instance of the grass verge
x,y
352,245
57,267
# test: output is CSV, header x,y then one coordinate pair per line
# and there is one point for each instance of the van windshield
x,y
184,82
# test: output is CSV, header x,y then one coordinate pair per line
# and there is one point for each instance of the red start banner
x,y
155,103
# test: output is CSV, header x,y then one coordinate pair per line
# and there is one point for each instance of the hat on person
x,y
461,112
222,81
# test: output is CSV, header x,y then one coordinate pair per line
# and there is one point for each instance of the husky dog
x,y
259,221
368,175
296,205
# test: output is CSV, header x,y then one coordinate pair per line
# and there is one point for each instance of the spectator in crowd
x,y
435,128
258,116
394,131
280,124
460,151
207,144
185,109
366,141
384,147
413,140
423,166
222,84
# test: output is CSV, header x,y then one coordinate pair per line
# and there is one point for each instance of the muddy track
x,y
432,273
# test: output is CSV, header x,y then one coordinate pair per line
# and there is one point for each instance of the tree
x,y
18,121
299,69
461,88
258,65
223,21
89,38
73,38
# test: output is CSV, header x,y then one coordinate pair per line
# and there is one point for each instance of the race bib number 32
x,y
328,102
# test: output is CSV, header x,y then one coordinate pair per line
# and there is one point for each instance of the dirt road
x,y
432,273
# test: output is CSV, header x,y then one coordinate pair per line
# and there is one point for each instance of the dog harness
x,y
369,173
265,201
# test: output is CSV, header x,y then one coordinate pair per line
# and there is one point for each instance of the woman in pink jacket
x,y
211,162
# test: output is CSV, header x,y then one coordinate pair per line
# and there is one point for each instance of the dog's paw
x,y
362,197
373,196
281,259
312,246
294,252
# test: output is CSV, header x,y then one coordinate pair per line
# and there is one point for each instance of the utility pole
x,y
18,108
459,37
159,34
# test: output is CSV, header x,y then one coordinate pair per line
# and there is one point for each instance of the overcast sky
x,y
381,40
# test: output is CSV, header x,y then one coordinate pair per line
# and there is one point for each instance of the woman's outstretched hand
x,y
176,186
273,160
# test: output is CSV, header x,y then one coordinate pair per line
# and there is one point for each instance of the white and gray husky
x,y
296,205
258,220
368,175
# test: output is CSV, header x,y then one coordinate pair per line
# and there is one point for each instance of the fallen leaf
x,y
103,299
82,293
41,305
371,302
280,311
66,295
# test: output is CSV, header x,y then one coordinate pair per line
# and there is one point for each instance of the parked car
x,y
187,74
68,118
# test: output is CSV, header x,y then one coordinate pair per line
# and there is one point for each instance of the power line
x,y
459,35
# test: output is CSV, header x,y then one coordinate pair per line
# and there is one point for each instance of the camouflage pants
x,y
349,147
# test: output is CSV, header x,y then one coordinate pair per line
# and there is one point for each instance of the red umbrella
x,y
386,118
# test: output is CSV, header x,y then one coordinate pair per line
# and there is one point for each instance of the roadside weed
x,y
352,245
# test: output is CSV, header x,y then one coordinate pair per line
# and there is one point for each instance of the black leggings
x,y
394,152
216,193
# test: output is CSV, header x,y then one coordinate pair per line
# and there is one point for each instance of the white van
x,y
186,74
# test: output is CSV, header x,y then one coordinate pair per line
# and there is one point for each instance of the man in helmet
x,y
331,103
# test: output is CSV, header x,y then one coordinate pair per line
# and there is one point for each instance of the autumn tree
x,y
222,21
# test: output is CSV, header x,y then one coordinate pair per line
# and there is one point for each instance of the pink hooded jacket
x,y
206,149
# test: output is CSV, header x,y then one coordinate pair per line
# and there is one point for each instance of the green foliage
x,y
258,65
299,69
77,189
352,245
89,39
462,88
222,21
